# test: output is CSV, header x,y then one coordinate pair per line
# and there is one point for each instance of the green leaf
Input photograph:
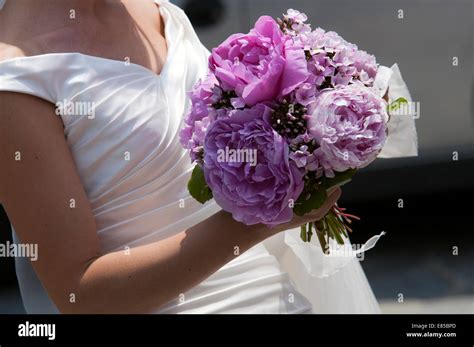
x,y
198,187
309,201
395,105
339,179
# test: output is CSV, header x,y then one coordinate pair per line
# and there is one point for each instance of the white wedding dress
x,y
135,174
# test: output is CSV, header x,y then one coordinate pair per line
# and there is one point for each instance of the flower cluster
x,y
301,99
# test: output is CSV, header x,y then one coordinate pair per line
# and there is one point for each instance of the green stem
x,y
322,239
303,233
335,228
310,231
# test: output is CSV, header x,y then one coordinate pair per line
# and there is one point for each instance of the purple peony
x,y
255,190
260,66
349,124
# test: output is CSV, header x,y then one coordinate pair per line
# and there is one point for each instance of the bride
x,y
102,189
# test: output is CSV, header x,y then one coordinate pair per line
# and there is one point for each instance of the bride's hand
x,y
312,216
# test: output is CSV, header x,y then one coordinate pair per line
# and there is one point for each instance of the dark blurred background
x,y
415,258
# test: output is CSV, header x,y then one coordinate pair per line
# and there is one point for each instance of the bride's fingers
x,y
334,189
333,196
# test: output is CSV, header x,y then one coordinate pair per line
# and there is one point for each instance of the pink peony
x,y
263,65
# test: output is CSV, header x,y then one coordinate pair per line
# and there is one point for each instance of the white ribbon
x,y
317,263
402,139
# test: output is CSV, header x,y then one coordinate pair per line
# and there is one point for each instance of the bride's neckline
x,y
145,69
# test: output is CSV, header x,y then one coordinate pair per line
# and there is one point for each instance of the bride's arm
x,y
36,193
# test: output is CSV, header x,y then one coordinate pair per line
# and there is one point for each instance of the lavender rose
x,y
349,124
254,191
260,66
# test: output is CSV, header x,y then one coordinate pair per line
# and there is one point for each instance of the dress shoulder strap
x,y
30,75
60,76
52,77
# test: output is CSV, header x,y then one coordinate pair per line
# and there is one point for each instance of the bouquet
x,y
285,114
